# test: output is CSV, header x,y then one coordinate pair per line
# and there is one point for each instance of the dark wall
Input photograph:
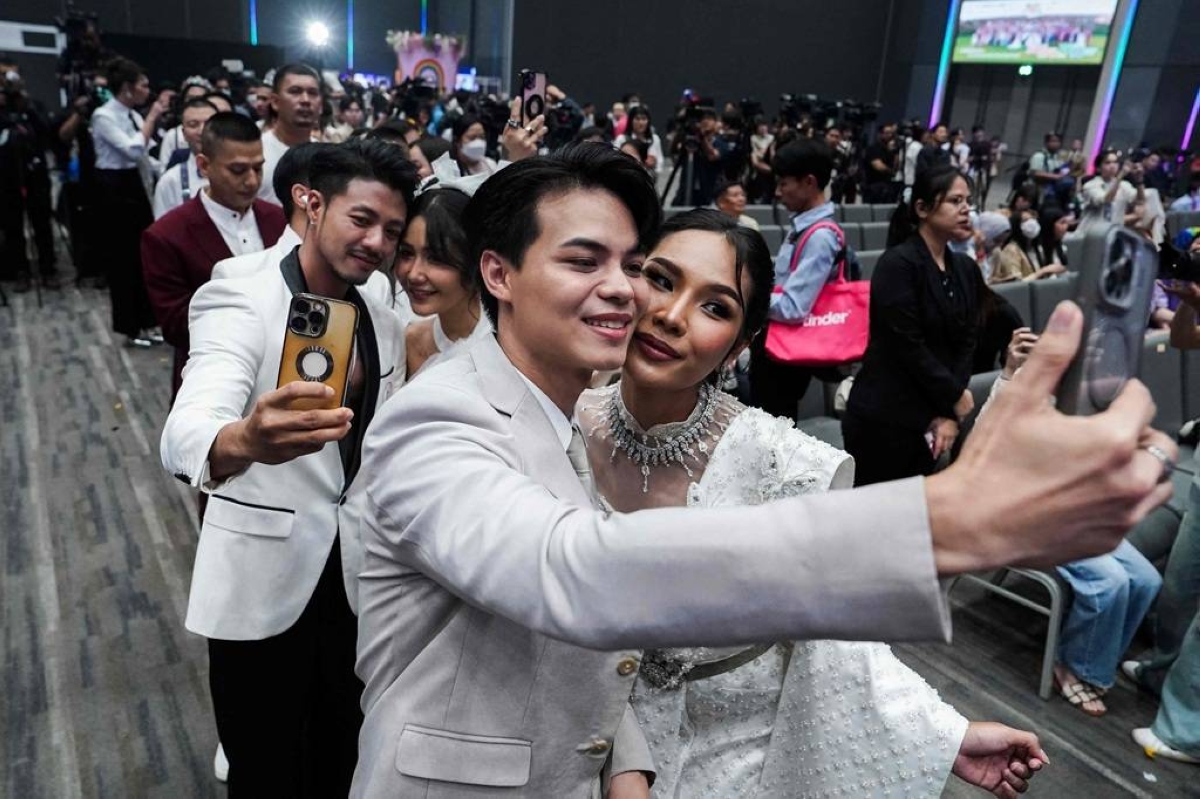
x,y
601,50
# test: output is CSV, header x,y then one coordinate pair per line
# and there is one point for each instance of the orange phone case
x,y
320,356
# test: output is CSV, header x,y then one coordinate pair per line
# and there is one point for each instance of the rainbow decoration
x,y
1191,123
943,76
1110,91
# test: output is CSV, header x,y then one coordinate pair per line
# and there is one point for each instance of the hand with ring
x,y
522,141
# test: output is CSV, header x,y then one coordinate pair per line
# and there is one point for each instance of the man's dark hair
x,y
219,97
198,102
294,68
589,132
432,147
1051,134
804,157
293,168
349,100
394,130
226,126
503,214
333,168
120,71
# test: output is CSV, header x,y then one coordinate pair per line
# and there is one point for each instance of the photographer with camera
x,y
25,136
698,140
882,181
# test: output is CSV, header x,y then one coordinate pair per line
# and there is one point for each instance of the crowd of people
x,y
536,544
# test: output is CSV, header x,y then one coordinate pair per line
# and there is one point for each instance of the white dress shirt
x,y
117,136
273,150
558,419
240,231
170,192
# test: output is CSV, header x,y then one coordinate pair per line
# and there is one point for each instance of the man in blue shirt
x,y
802,170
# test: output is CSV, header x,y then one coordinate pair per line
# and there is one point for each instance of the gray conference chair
x,y
856,213
868,259
1017,292
874,235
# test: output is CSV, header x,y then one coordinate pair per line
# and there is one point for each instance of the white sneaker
x,y
220,764
1153,747
1132,669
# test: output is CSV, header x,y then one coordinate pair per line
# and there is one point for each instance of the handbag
x,y
835,332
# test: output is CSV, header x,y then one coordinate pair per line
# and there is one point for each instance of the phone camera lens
x,y
301,306
316,317
300,324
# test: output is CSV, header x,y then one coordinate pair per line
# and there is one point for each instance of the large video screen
x,y
1069,32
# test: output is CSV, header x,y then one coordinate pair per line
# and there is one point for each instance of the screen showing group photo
x,y
1069,32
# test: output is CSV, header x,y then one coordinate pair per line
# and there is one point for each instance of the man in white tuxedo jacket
x,y
291,187
502,617
279,546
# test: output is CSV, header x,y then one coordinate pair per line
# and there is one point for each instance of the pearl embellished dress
x,y
803,719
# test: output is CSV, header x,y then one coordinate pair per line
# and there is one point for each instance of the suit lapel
x,y
545,460
206,236
367,346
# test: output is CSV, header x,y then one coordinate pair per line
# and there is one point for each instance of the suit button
x,y
597,747
627,666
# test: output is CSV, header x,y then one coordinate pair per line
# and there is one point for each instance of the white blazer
x,y
502,618
268,530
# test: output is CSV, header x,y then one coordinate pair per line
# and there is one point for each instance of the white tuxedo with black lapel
x,y
267,531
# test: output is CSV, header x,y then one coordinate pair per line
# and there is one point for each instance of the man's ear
x,y
300,195
314,205
202,164
496,272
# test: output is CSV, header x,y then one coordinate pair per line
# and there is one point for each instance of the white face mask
x,y
474,150
1031,228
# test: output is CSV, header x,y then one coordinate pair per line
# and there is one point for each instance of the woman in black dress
x,y
911,394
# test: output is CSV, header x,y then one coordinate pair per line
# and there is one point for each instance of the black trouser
x,y
884,452
32,199
124,212
884,192
287,707
777,387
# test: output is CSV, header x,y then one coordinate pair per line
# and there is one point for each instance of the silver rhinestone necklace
x,y
647,451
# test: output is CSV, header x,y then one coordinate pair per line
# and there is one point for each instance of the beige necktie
x,y
577,454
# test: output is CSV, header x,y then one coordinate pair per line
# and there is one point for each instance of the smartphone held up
x,y
318,347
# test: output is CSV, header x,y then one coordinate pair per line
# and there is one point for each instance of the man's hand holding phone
x,y
275,433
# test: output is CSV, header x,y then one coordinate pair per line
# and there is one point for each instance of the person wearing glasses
x,y
911,394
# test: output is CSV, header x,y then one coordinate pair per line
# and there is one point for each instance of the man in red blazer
x,y
223,220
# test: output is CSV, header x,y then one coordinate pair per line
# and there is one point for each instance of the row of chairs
x,y
1178,220
778,215
860,236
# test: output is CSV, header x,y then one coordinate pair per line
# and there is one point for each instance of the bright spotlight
x,y
1025,70
317,34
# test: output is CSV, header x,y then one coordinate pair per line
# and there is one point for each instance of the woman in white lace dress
x,y
431,266
785,719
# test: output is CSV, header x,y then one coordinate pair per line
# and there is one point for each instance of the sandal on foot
x,y
1079,694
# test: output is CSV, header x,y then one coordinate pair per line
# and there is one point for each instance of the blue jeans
x,y
1176,656
1112,594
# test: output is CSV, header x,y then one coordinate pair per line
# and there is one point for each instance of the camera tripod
x,y
688,163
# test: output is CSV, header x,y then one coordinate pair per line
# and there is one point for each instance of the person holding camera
x,y
1109,198
1171,668
883,160
122,138
700,140
25,136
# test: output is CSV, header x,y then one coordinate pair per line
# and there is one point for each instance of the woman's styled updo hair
x,y
930,188
751,256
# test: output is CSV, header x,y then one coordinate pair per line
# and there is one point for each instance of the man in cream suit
x,y
502,617
278,548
